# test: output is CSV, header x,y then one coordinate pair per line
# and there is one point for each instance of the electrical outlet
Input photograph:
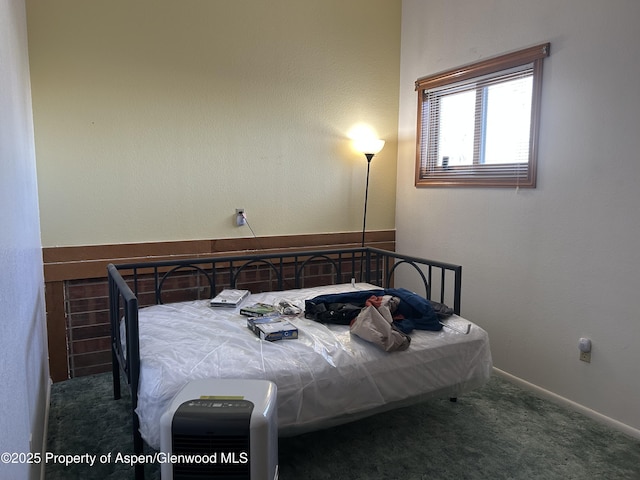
x,y
240,217
585,357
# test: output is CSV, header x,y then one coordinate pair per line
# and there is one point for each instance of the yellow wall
x,y
155,119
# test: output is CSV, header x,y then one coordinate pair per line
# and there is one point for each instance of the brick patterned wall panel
x,y
88,330
77,293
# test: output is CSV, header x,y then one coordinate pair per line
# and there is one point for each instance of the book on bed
x,y
258,309
229,297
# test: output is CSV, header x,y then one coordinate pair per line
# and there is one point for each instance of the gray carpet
x,y
496,432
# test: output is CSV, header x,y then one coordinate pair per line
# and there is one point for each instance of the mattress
x,y
325,377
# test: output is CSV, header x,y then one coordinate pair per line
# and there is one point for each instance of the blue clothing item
x,y
417,311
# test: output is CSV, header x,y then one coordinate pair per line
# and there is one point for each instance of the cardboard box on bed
x,y
272,328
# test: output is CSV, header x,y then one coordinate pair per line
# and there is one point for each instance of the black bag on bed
x,y
336,313
338,308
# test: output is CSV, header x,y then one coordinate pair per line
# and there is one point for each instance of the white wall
x,y
543,267
156,119
24,370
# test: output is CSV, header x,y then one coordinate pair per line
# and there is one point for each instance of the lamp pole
x,y
368,146
366,195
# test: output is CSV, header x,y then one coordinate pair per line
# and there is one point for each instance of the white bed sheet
x,y
325,377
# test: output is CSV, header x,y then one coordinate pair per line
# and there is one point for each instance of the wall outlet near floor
x,y
584,345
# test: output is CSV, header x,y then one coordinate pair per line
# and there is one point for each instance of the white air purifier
x,y
221,429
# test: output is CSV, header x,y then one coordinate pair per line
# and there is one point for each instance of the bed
x,y
164,334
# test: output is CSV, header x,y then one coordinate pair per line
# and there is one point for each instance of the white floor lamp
x,y
369,146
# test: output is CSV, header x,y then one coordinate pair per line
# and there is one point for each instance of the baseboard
x,y
558,399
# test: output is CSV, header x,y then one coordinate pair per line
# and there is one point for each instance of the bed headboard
x,y
166,281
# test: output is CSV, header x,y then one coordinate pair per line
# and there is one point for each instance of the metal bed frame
x,y
287,270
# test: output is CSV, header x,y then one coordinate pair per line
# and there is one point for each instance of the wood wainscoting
x,y
77,293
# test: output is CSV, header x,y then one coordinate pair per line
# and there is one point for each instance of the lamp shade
x,y
369,145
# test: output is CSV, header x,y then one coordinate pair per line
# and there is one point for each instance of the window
x,y
478,124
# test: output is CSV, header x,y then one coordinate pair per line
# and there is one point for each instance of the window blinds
x,y
478,125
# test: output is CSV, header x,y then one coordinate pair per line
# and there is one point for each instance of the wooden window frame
x,y
427,174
